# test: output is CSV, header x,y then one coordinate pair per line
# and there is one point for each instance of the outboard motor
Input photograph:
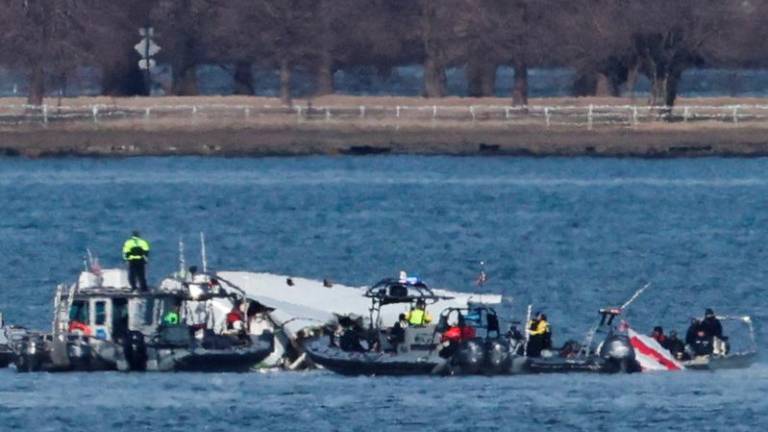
x,y
135,351
471,356
619,355
497,356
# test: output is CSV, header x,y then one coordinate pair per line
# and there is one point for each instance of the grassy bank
x,y
254,126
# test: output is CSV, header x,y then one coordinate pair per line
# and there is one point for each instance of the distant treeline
x,y
609,43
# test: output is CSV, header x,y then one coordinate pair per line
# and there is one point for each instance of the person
x,y
702,343
235,317
658,335
693,329
675,346
397,335
418,315
539,335
136,253
711,325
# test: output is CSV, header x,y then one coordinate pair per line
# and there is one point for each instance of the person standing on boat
x,y
136,253
539,335
418,315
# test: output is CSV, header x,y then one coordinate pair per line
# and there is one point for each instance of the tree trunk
x,y
285,82
184,80
243,78
603,86
481,78
324,75
36,90
434,70
520,86
632,76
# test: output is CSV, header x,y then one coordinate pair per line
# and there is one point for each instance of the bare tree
x,y
51,38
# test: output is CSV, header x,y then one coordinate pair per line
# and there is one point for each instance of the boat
x,y
7,333
738,351
101,324
349,348
606,349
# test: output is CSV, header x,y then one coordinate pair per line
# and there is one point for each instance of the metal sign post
x,y
147,48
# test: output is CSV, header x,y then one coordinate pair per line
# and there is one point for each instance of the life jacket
x,y
78,326
418,317
234,316
458,334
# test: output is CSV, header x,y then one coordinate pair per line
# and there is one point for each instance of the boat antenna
x,y
182,260
635,296
482,278
202,252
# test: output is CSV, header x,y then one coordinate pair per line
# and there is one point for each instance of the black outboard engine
x,y
135,351
618,354
497,357
470,357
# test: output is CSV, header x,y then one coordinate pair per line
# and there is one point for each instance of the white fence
x,y
588,116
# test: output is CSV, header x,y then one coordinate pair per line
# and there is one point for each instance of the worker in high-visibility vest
x,y
418,315
539,335
136,253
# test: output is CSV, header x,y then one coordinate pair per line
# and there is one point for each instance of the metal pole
x,y
527,330
202,252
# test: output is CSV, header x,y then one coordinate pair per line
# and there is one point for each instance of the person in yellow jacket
x,y
136,253
418,315
539,335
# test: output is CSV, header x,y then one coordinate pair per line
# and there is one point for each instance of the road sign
x,y
145,65
147,48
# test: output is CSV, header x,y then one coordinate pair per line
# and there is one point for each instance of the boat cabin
x,y
104,307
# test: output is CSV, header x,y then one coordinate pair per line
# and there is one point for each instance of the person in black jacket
x,y
711,325
690,335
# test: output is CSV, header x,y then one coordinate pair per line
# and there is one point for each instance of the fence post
x,y
298,113
362,111
472,111
147,112
736,114
434,112
327,114
506,113
686,113
247,112
95,111
589,117
397,111
546,116
634,116
45,113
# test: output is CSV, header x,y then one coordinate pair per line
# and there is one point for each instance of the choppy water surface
x,y
569,235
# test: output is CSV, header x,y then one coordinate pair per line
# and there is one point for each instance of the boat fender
x,y
470,356
497,357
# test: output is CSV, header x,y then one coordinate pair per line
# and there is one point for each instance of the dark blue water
x,y
568,235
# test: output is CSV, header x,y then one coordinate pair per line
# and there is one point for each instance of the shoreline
x,y
282,133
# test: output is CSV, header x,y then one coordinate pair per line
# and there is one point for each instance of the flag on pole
x,y
651,355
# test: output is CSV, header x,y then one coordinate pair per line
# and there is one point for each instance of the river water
x,y
568,235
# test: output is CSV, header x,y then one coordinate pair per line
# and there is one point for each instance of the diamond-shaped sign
x,y
147,47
